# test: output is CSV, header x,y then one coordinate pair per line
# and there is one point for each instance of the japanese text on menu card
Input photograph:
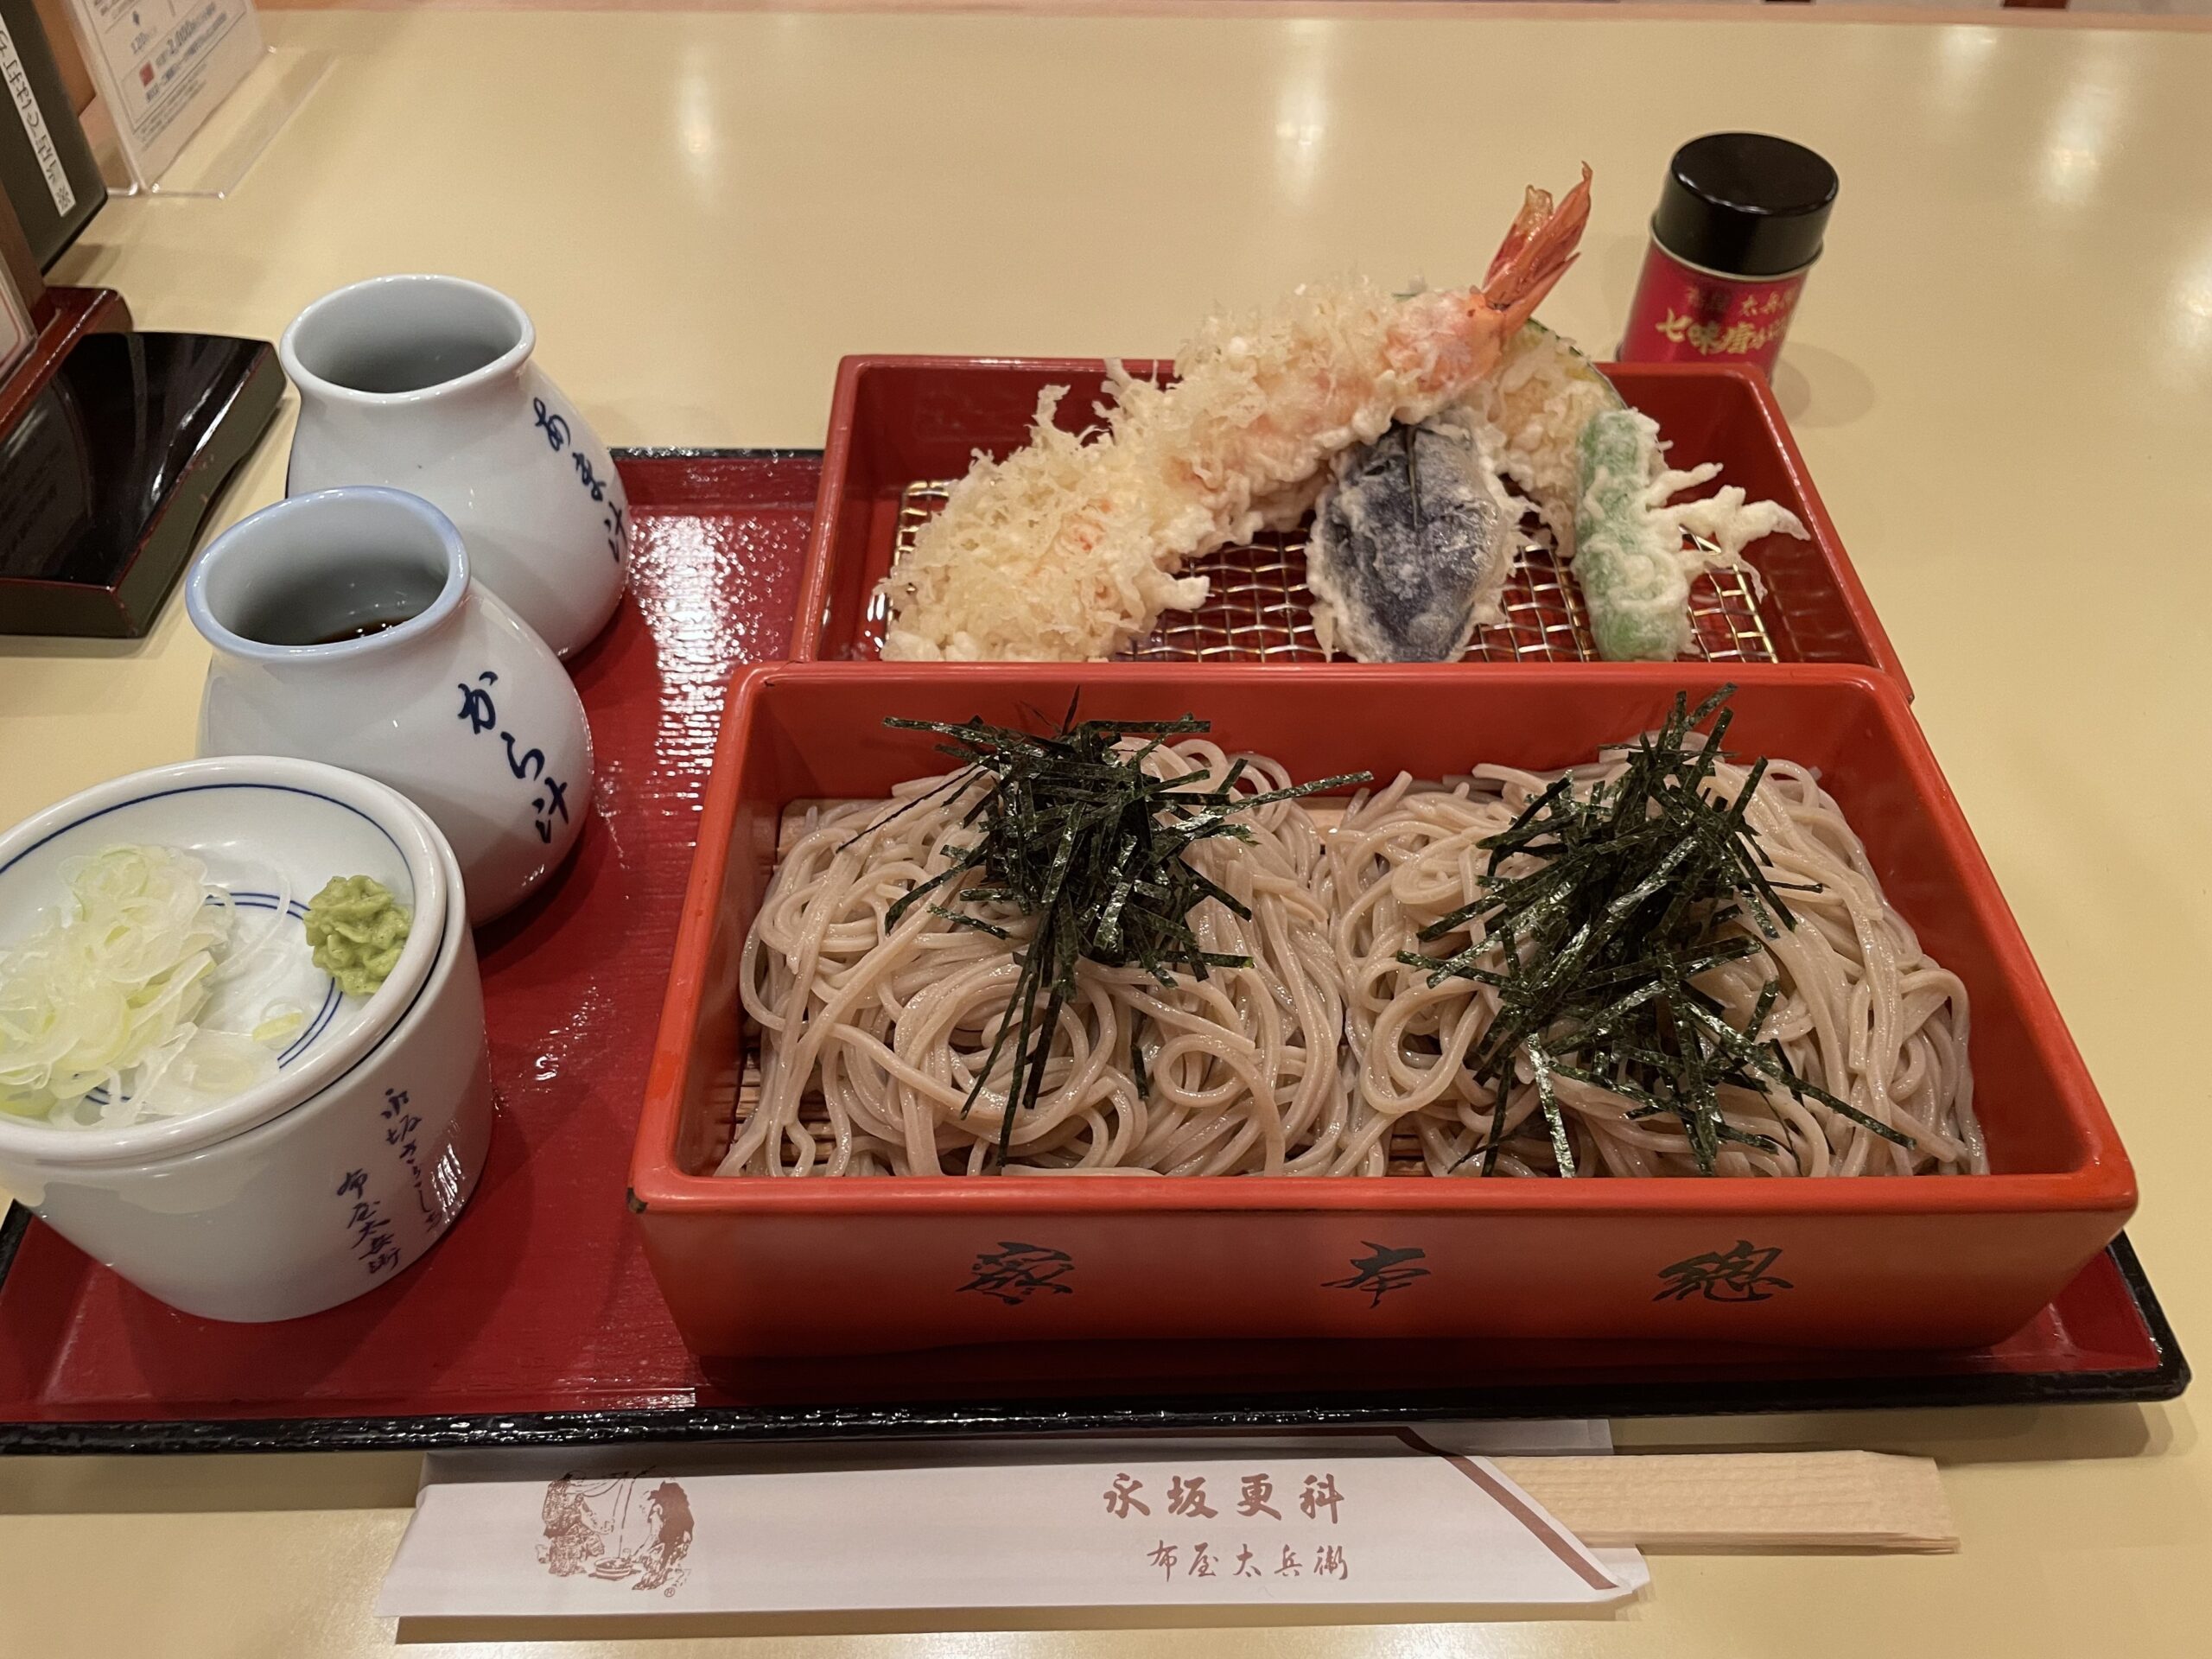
x,y
24,97
15,331
162,66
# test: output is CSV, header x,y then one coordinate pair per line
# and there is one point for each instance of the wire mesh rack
x,y
1258,607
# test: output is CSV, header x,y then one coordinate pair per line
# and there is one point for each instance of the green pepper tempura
x,y
358,929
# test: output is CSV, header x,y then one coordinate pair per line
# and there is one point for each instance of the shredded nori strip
x,y
1071,829
1642,884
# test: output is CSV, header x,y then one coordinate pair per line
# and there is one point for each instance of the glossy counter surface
x,y
2001,377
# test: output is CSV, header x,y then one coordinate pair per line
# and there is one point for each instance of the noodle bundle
x,y
1861,1011
1329,1044
888,1026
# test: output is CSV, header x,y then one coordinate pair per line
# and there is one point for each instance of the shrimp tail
x,y
1536,252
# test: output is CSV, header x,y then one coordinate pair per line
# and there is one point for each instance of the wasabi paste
x,y
358,929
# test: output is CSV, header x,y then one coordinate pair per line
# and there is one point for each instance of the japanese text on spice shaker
x,y
1739,225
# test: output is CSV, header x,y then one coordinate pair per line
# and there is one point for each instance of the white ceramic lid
x,y
272,830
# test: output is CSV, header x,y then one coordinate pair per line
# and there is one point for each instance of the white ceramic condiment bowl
x,y
323,1203
272,830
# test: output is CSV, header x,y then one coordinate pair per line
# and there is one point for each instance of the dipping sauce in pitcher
x,y
329,609
345,626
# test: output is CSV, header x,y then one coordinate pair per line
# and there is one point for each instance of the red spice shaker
x,y
1739,225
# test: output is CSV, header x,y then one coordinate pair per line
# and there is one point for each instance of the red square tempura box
x,y
757,1266
900,422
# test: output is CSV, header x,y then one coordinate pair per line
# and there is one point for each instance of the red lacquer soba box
x,y
900,428
773,1266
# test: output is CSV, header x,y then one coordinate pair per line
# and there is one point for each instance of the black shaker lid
x,y
1745,203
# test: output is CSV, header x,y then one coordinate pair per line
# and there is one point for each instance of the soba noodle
x,y
1314,1057
1862,1012
887,1027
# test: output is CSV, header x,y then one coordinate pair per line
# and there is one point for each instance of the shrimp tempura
x,y
1068,551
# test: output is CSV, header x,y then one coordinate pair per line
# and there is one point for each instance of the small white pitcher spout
x,y
427,384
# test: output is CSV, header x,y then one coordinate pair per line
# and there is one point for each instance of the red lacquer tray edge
x,y
1644,1397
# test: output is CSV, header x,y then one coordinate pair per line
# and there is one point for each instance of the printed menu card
x,y
162,66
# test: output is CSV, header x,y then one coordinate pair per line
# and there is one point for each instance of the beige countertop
x,y
2001,376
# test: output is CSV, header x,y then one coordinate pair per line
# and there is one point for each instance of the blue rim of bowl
x,y
332,996
195,789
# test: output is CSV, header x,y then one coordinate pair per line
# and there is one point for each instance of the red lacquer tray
x,y
536,1320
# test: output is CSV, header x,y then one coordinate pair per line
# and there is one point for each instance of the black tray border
x,y
1712,1398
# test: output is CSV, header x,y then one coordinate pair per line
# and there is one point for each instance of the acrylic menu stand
x,y
217,158
185,103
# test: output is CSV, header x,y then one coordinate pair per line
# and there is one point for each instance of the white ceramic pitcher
x,y
426,384
346,629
